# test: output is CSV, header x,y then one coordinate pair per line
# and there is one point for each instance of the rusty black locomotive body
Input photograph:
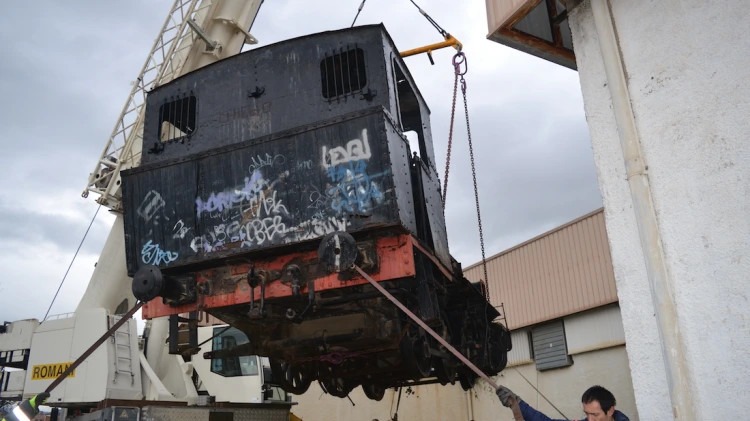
x,y
265,176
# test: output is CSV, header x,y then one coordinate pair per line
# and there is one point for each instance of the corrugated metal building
x,y
560,301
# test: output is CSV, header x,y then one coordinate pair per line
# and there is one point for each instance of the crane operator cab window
x,y
232,366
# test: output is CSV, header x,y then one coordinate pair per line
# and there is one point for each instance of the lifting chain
x,y
460,67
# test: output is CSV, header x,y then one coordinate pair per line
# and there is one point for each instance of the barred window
x,y
177,118
343,73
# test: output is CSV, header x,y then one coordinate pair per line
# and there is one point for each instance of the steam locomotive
x,y
265,177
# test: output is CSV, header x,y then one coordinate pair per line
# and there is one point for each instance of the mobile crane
x,y
130,372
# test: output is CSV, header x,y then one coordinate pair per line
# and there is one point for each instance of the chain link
x,y
460,67
457,71
485,290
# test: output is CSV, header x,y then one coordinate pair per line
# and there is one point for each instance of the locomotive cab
x,y
264,177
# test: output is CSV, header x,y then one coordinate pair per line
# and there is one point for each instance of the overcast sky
x,y
66,71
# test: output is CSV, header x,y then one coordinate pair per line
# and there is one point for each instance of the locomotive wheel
x,y
466,379
445,370
496,356
445,366
374,391
417,353
336,386
292,378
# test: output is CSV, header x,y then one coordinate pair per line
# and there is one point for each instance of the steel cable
x,y
71,262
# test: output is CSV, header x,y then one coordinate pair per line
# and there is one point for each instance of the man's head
x,y
598,404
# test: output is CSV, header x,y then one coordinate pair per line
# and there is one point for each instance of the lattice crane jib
x,y
195,33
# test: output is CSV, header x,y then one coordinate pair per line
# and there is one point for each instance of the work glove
x,y
507,397
39,399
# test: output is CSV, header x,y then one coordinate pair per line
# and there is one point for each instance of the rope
x,y
71,262
93,347
358,12
540,393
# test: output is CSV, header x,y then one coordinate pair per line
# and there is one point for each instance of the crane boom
x,y
181,46
218,31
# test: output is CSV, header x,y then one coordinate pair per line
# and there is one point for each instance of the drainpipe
x,y
662,295
469,406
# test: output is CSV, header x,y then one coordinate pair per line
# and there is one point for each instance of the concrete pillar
x,y
670,128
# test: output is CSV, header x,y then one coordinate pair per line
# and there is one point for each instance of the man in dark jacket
x,y
598,405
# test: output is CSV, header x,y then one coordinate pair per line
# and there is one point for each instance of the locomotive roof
x,y
363,28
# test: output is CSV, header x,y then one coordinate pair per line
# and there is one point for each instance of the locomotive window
x,y
413,139
177,118
343,73
409,111
246,365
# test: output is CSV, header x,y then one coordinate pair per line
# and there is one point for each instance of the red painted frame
x,y
396,260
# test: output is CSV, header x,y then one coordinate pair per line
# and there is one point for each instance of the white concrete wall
x,y
686,65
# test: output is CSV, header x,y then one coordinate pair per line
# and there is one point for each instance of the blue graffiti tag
x,y
152,254
353,191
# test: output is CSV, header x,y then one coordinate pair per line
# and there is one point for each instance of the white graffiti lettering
x,y
355,150
151,204
152,254
263,223
317,200
267,160
217,238
261,205
180,230
258,231
317,227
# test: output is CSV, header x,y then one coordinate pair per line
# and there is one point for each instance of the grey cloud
x,y
26,228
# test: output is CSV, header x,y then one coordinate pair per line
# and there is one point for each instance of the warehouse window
x,y
549,346
343,73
